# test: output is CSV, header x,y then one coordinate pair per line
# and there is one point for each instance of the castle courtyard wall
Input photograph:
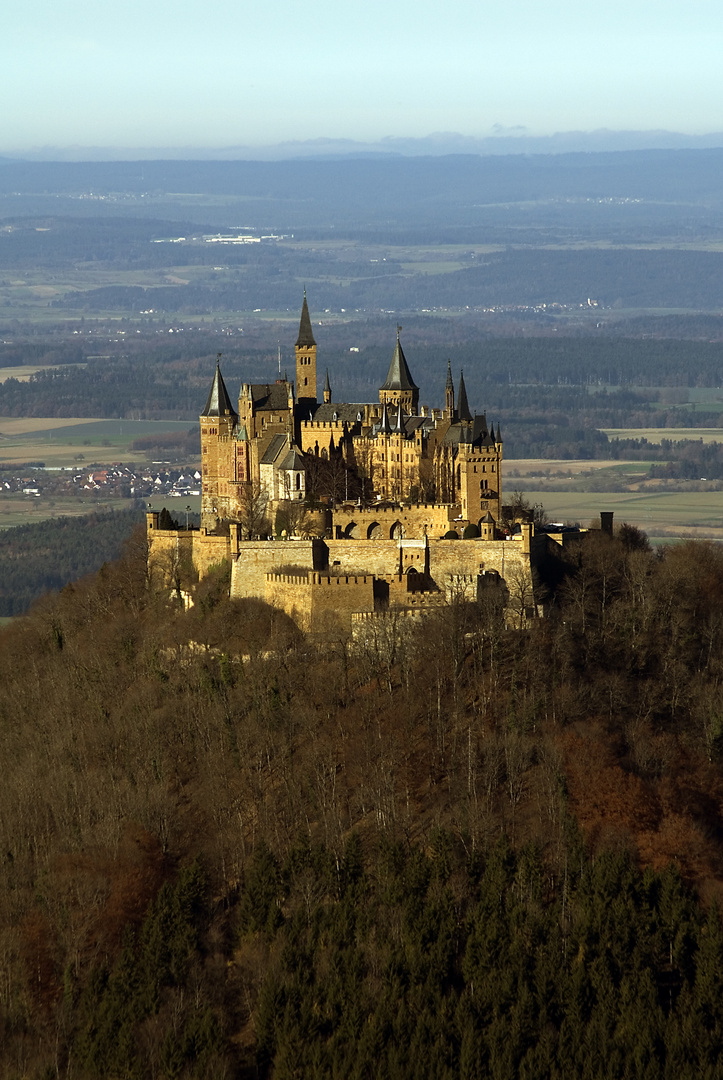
x,y
252,560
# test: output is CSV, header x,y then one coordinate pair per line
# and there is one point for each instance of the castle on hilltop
x,y
343,512
396,450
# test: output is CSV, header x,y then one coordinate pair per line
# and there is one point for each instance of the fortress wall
x,y
292,594
377,557
321,603
169,546
453,557
333,600
413,518
257,558
209,550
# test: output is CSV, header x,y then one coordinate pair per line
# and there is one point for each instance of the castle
x,y
420,526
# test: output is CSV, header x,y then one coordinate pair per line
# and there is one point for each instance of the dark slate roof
x,y
218,402
275,447
293,460
306,334
345,413
462,404
270,396
398,376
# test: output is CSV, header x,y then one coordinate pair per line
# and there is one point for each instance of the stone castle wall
x,y
356,522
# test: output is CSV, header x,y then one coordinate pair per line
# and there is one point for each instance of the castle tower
x,y
449,393
399,387
305,364
218,452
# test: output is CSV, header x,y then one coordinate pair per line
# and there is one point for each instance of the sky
x,y
211,73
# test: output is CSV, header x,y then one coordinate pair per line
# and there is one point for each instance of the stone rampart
x,y
378,522
254,559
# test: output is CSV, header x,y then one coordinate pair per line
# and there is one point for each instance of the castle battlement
x,y
342,579
287,579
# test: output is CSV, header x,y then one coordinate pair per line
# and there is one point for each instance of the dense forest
x,y
35,559
462,850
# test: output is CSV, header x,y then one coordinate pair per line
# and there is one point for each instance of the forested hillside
x,y
35,559
465,851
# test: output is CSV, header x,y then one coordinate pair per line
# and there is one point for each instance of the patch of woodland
x,y
459,848
38,558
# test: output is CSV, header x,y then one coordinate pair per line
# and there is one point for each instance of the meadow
x,y
662,515
63,442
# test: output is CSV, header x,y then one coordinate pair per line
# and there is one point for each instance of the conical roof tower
x,y
218,402
306,334
399,387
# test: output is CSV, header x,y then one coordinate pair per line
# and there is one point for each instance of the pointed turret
x,y
499,437
306,334
449,393
305,365
327,388
462,403
399,386
384,427
218,402
400,418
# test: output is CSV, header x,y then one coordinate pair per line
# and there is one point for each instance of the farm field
x,y
64,442
656,435
522,468
22,374
662,515
28,510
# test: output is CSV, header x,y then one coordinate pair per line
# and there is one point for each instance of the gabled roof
x,y
306,334
218,402
398,376
293,461
270,395
345,412
278,444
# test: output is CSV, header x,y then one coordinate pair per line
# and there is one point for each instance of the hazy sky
x,y
215,73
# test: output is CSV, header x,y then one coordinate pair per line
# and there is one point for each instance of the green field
x,y
98,442
660,515
28,510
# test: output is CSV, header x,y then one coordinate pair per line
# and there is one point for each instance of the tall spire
x,y
327,388
449,393
400,418
306,334
462,403
218,402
